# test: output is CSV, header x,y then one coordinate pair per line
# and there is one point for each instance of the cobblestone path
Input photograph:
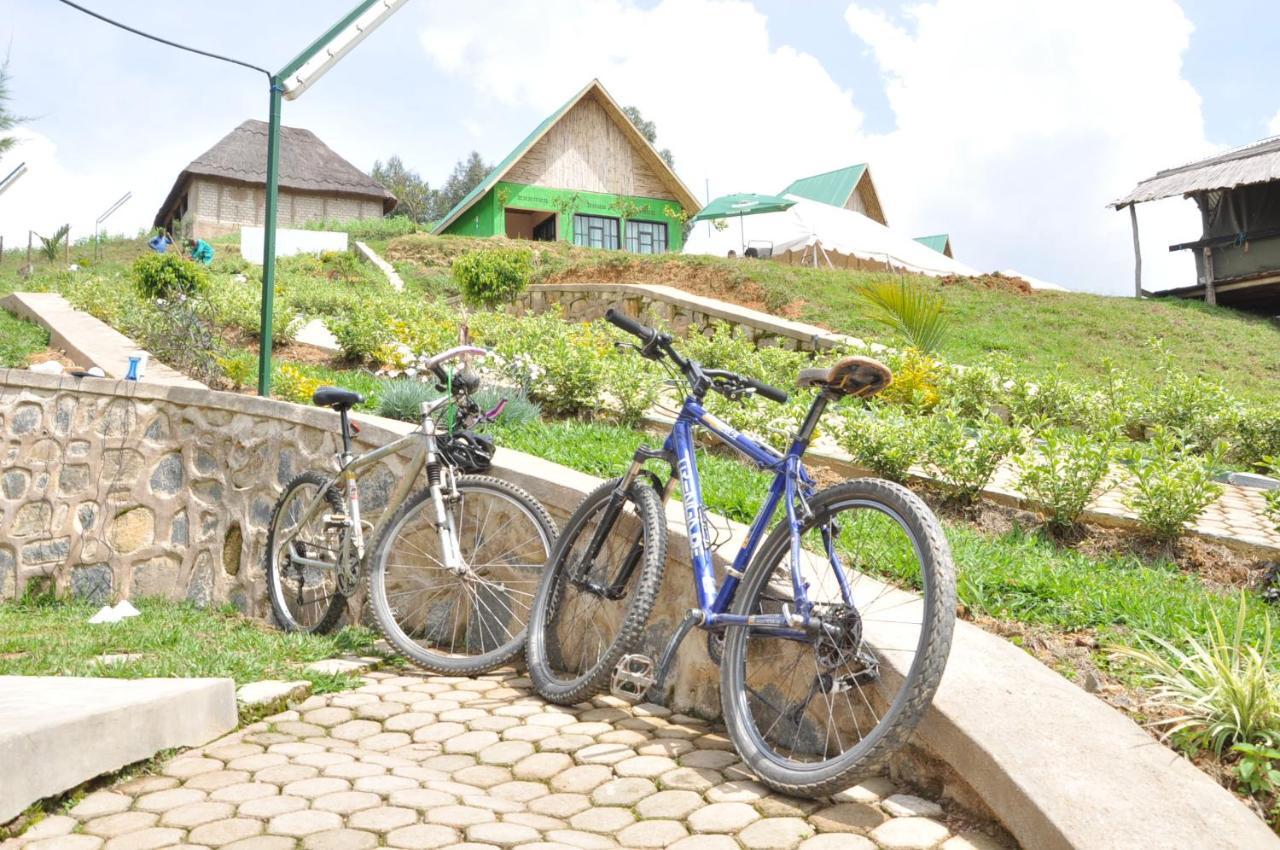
x,y
421,762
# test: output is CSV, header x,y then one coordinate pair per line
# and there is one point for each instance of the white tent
x,y
820,234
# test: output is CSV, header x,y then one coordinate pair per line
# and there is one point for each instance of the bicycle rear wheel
x,y
469,622
590,612
305,598
808,710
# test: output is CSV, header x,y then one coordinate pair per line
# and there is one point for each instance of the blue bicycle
x,y
831,631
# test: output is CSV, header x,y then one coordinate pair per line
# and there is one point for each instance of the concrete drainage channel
x,y
1055,766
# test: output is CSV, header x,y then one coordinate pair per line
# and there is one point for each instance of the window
x,y
647,237
594,231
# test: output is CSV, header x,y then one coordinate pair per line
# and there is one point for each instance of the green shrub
x,y
915,380
887,441
239,305
972,392
493,276
1257,435
341,265
367,228
240,371
965,455
1200,410
362,334
402,399
1171,484
1220,689
180,334
632,386
292,384
1258,770
167,276
1062,474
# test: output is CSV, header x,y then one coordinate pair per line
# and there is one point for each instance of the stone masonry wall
x,y
113,490
679,311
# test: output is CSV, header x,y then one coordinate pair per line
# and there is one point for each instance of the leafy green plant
x,y
402,399
167,276
915,381
907,308
1221,688
238,305
1256,771
1171,485
240,371
888,442
1201,410
1062,473
181,334
964,455
493,276
51,246
631,386
362,334
292,384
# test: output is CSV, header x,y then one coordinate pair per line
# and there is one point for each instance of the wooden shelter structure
x,y
1238,253
585,175
225,187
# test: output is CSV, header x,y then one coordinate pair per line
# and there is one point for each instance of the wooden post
x,y
1210,295
29,232
1137,252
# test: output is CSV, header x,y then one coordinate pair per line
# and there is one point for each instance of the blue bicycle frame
x,y
792,486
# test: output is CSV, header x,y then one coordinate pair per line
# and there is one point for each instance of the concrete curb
x,y
57,732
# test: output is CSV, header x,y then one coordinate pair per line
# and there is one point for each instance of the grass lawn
x,y
174,639
19,339
1040,332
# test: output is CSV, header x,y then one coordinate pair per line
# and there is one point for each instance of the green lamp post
x,y
289,83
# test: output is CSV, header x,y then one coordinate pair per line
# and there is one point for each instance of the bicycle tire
x,y
379,597
275,586
937,574
644,582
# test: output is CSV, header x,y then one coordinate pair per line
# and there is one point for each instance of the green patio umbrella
x,y
743,204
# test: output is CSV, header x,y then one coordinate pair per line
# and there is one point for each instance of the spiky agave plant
x,y
907,308
1221,689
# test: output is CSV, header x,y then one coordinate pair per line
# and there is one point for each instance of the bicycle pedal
x,y
633,677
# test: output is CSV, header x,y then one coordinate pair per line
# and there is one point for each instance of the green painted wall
x,y
487,216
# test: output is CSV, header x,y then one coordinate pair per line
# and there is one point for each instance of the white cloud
x,y
1016,122
51,193
1273,126
724,100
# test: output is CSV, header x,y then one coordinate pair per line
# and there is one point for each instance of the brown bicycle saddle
x,y
852,376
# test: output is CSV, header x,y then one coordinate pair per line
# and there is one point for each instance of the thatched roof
x,y
1258,162
306,164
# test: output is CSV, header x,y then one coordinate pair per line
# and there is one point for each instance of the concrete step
x,y
57,732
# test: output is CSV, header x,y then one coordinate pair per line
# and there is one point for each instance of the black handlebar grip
x,y
630,325
771,393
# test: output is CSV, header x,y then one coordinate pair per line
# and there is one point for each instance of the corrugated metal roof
x,y
1258,162
687,199
937,242
833,187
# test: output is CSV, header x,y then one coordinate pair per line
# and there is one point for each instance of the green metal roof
x,y
937,242
833,187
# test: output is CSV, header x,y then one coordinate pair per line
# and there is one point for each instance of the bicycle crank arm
x,y
295,558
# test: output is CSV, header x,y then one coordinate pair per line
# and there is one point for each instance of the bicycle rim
x,y
303,595
813,709
485,610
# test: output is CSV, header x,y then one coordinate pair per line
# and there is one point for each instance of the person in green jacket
x,y
201,251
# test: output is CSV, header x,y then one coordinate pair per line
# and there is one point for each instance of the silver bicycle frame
x,y
352,464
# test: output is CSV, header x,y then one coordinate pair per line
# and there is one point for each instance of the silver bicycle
x,y
452,567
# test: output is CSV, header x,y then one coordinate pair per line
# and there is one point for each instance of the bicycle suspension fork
x,y
436,485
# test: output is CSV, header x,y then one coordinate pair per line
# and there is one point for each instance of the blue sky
x,y
1009,123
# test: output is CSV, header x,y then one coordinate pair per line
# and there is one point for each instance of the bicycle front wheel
x,y
474,619
809,709
591,607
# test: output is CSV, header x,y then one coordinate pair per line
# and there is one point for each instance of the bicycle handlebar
x,y
696,375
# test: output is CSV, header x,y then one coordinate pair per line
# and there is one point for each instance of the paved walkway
x,y
420,762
